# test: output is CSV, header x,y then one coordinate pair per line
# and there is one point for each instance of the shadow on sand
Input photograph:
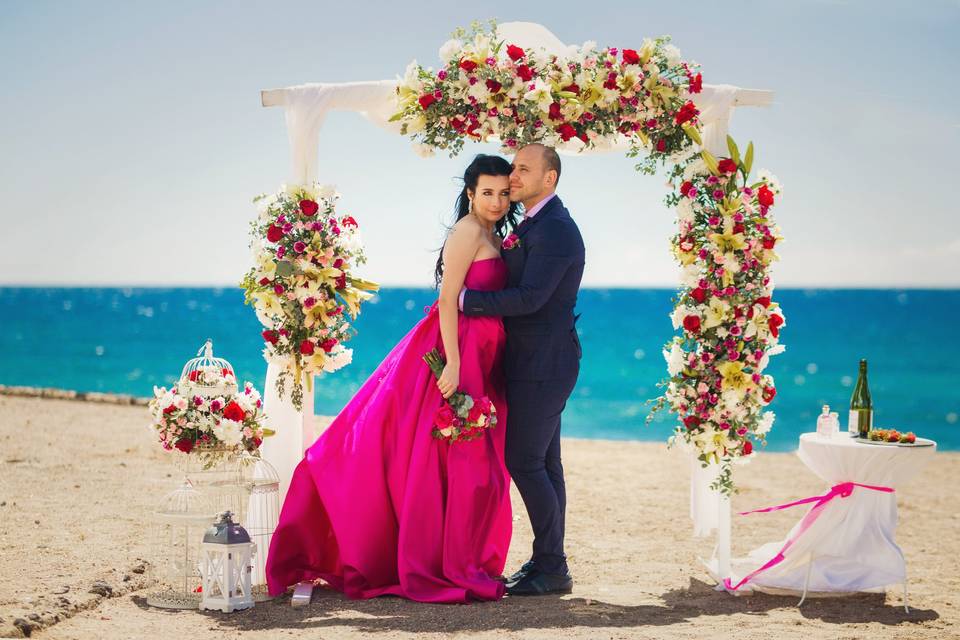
x,y
697,600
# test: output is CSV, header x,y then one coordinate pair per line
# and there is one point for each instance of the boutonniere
x,y
511,242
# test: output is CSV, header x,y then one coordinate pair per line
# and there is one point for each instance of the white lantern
x,y
225,566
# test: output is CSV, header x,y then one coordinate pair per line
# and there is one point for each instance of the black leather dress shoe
x,y
537,583
527,567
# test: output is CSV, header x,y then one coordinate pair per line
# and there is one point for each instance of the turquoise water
x,y
127,340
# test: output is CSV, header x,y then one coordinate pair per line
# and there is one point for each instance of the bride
x,y
378,505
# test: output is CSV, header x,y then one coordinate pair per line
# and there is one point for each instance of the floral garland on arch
x,y
592,98
301,286
597,97
730,325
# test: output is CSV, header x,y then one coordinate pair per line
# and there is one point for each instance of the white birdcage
x,y
249,487
262,514
207,376
180,521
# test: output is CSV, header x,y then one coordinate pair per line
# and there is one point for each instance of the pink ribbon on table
x,y
842,490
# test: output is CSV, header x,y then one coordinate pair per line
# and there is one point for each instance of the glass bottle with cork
x,y
861,406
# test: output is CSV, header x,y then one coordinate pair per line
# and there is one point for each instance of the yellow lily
x,y
716,313
734,376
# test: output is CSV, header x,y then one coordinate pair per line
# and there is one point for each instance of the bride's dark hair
x,y
482,165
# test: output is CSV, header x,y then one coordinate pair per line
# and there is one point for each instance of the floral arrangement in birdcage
x,y
206,413
302,286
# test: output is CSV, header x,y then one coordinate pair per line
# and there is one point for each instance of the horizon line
x,y
673,287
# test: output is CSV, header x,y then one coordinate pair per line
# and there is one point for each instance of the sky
x,y
132,139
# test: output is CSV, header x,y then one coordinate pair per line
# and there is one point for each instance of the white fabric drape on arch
x,y
306,107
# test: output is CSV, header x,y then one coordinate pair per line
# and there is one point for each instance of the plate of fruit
x,y
896,438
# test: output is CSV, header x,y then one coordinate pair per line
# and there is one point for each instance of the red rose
x,y
328,344
475,412
662,145
264,282
347,221
185,445
763,302
445,416
747,448
270,336
342,282
426,100
691,422
692,324
226,372
566,131
309,207
554,113
170,409
739,228
685,188
696,83
493,86
257,442
572,88
274,233
765,196
233,411
515,52
306,348
775,322
468,65
769,242
769,393
699,295
194,375
686,113
630,56
525,73
727,165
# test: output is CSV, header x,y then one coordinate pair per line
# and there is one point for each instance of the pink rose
x,y
511,241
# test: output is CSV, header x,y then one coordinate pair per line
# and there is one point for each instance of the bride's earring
x,y
470,207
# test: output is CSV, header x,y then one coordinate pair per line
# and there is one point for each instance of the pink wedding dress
x,y
379,506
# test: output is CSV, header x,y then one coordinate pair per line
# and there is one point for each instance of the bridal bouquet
x,y
208,426
461,417
588,97
302,287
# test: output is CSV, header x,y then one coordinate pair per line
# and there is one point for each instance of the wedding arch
x,y
517,83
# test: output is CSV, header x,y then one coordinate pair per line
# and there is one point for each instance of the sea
x,y
126,340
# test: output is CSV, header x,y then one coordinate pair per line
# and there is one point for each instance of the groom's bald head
x,y
536,172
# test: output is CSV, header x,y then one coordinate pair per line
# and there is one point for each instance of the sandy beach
x,y
78,480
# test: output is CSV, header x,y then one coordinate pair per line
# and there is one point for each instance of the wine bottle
x,y
861,406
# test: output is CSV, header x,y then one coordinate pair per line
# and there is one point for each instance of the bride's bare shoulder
x,y
467,227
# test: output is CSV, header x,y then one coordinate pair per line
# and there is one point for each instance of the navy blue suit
x,y
541,363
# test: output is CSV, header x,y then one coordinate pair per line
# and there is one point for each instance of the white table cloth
x,y
850,547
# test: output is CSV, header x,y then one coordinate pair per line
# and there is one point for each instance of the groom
x,y
541,359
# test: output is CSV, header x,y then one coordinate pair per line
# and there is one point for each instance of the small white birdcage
x,y
207,376
179,524
226,555
262,514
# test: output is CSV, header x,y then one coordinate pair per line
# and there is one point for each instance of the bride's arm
x,y
458,252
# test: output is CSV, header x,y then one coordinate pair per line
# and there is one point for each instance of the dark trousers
x,y
533,459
